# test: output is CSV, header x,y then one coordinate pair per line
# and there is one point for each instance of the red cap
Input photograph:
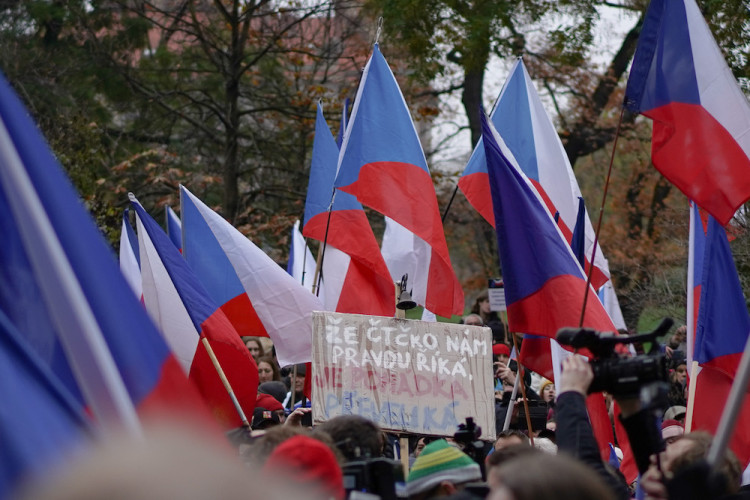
x,y
268,402
311,461
499,349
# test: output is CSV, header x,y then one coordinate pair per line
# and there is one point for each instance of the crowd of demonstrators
x,y
490,319
283,454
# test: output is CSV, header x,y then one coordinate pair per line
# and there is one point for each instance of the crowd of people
x,y
352,457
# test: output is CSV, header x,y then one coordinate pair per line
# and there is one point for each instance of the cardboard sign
x,y
406,375
497,299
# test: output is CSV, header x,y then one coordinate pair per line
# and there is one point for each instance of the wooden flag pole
x,y
691,397
599,222
404,448
523,390
225,381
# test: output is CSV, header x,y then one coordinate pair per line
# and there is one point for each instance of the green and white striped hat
x,y
439,461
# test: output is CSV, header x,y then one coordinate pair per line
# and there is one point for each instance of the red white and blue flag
x,y
357,279
529,134
721,333
544,283
183,311
383,165
256,294
63,291
700,116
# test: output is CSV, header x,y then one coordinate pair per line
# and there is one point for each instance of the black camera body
x,y
626,376
620,376
377,476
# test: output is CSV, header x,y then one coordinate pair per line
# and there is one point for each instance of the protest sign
x,y
406,375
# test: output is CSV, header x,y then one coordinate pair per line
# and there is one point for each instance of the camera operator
x,y
575,435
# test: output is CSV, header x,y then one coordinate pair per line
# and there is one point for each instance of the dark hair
x,y
356,437
274,366
552,477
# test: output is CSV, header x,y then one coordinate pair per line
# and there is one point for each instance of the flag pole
x,y
509,414
599,222
731,410
322,250
691,396
225,382
520,374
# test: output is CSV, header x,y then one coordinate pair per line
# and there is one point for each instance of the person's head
x,y
692,447
277,389
676,412
298,380
421,443
501,456
482,305
510,437
356,437
678,337
268,371
501,353
671,431
473,320
440,470
271,404
309,463
679,373
552,477
254,346
547,391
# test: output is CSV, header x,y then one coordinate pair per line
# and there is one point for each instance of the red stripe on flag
x,y
699,156
476,188
556,305
245,320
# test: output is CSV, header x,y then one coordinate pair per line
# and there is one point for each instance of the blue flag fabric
x,y
40,422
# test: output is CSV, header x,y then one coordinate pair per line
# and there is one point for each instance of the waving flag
x,y
174,227
130,261
301,264
520,118
357,279
544,283
721,333
180,306
383,165
63,290
41,424
701,118
256,294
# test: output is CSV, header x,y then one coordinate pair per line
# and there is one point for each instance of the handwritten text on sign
x,y
408,376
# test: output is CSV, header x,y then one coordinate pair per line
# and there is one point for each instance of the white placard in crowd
x,y
497,299
406,375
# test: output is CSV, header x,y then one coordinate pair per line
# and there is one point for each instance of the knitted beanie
x,y
439,461
308,463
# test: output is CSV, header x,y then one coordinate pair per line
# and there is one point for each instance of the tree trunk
x,y
472,100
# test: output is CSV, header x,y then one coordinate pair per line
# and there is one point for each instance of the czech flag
x,y
357,279
701,118
544,283
63,291
520,118
180,306
256,294
383,165
722,330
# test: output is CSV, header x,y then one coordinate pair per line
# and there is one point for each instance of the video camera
x,y
620,376
376,476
